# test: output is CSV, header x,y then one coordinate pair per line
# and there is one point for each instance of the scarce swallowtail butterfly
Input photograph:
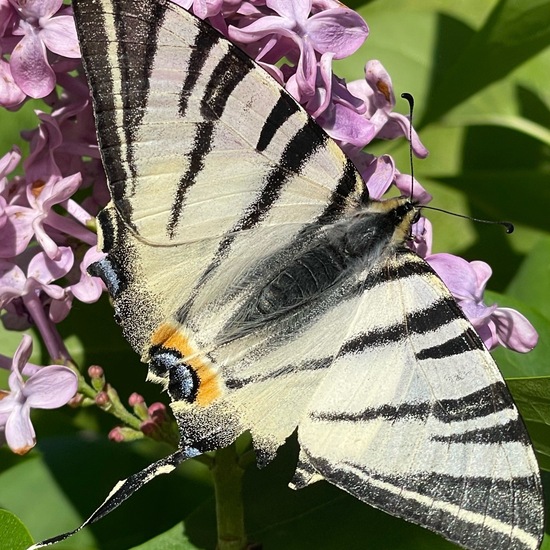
x,y
267,293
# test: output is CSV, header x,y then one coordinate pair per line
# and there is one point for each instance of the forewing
x,y
204,152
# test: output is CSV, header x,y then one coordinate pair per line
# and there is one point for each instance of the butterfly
x,y
267,293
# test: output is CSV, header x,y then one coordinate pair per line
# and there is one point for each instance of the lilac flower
x,y
48,388
421,241
32,296
8,163
377,92
380,173
340,31
495,325
329,90
41,30
24,222
88,289
8,17
347,127
466,281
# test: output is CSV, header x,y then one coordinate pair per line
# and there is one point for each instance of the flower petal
x,y
22,353
514,331
45,270
51,387
487,332
270,24
457,274
12,280
19,431
483,273
398,125
295,10
341,31
59,36
17,231
37,9
380,83
347,126
378,175
11,94
422,233
9,162
306,70
30,68
88,289
411,187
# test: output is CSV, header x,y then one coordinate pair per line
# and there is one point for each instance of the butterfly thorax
x,y
330,255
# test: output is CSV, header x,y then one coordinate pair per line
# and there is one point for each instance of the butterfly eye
x,y
416,217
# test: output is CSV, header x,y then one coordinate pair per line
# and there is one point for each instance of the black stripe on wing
x,y
204,42
491,399
349,185
202,145
290,369
403,265
422,321
511,431
303,145
468,340
138,39
228,73
281,112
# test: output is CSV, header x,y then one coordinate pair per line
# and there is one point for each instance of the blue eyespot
x,y
183,382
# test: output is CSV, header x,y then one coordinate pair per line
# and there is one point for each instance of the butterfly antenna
x,y
507,225
410,100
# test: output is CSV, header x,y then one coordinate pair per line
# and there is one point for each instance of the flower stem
x,y
227,476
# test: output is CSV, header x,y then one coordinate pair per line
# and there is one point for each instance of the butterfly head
x,y
400,214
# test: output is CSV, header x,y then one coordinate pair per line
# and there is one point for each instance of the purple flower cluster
x,y
47,213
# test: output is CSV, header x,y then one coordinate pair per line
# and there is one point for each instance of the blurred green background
x,y
480,75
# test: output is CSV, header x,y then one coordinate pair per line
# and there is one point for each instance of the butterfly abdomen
x,y
339,250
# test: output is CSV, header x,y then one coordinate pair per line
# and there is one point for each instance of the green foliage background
x,y
479,72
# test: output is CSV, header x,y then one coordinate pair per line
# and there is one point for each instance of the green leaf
x,y
531,283
46,512
514,32
173,539
14,534
531,397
